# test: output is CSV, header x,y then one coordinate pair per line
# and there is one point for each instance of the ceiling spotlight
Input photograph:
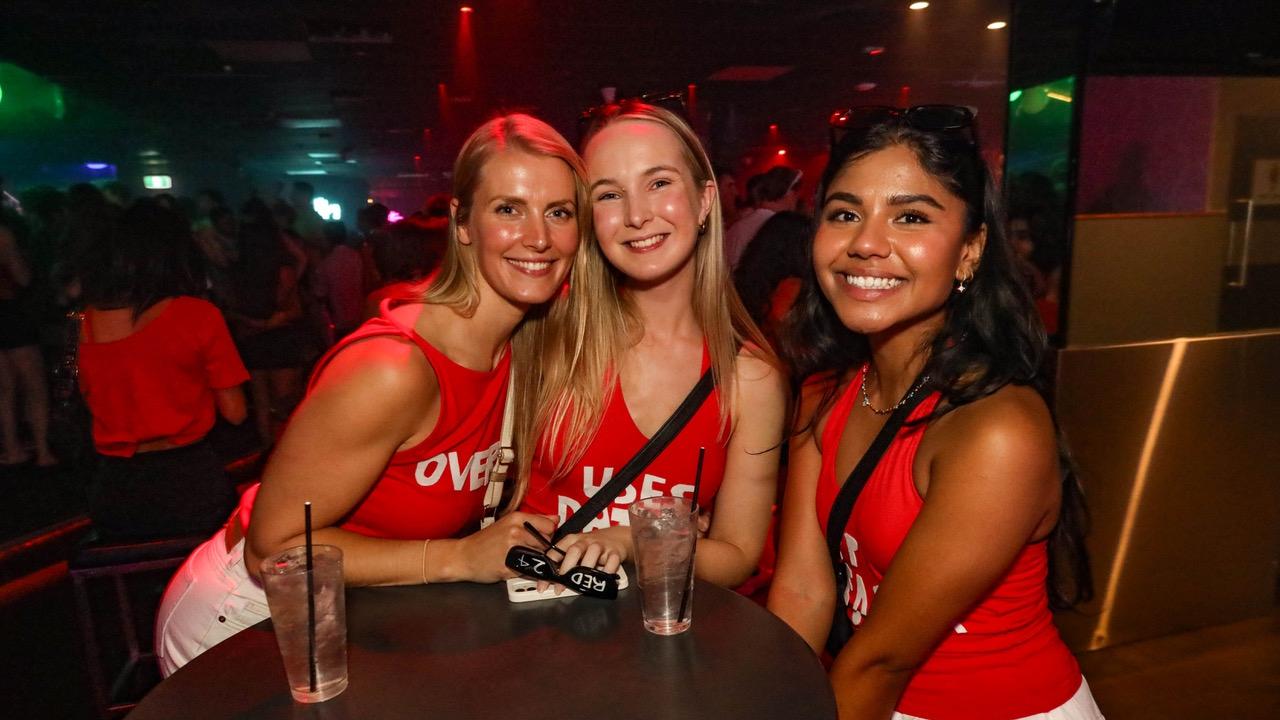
x,y
466,9
918,5
782,151
997,25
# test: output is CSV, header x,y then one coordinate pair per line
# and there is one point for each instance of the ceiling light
x,y
1059,96
1013,96
782,151
873,50
310,123
997,25
466,9
322,155
305,172
865,86
918,5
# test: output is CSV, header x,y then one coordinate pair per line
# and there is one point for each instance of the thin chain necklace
x,y
866,399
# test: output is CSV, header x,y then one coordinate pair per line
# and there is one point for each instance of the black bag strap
x,y
651,450
842,508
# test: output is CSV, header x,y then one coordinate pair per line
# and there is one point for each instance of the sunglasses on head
x,y
673,101
929,118
537,565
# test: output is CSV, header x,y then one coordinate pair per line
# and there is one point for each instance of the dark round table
x,y
463,651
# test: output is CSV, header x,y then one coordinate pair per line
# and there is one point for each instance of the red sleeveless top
x,y
1003,659
434,489
618,439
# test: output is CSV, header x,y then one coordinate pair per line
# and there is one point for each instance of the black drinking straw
x,y
688,575
311,602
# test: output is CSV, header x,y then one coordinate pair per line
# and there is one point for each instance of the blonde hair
x,y
598,322
457,284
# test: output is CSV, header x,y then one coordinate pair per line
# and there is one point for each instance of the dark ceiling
x,y
226,79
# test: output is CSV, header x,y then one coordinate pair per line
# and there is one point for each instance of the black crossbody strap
x,y
842,508
651,450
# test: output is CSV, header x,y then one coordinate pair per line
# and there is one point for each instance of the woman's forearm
x,y
869,692
723,563
365,560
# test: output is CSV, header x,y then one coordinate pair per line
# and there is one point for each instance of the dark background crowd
x,y
287,282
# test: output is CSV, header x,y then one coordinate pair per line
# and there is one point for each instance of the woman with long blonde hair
x,y
392,444
651,308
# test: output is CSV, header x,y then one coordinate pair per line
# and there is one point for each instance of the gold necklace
x,y
866,399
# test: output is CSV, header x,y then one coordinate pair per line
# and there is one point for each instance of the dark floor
x,y
1228,671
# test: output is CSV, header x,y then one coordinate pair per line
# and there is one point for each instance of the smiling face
x,y
646,204
522,225
891,243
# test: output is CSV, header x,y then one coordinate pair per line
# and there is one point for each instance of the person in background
x,y
370,220
727,186
769,275
157,365
651,309
913,296
307,224
21,366
770,192
267,319
338,282
405,253
427,380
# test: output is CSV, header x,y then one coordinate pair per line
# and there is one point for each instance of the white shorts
x,y
1080,707
209,599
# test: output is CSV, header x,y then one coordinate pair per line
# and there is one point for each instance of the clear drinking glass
x,y
664,534
284,577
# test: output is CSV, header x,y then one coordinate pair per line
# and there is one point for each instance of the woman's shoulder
x,y
380,366
1011,427
757,364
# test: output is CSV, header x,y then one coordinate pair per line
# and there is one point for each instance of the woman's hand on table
x,y
605,549
483,554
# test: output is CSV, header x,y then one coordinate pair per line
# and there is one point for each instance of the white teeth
x,y
530,264
867,282
647,242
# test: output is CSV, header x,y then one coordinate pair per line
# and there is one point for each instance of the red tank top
x,y
1003,659
618,439
434,489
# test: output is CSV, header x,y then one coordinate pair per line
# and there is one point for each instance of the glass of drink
x,y
664,533
284,577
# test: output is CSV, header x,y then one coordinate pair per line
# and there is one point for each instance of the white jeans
x,y
1080,707
209,599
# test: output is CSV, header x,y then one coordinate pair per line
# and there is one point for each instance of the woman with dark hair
x,y
267,318
156,365
912,308
768,276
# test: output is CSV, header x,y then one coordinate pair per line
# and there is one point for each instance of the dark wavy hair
x,y
145,256
991,336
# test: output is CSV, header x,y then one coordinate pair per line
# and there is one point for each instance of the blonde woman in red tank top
x,y
391,443
913,291
651,308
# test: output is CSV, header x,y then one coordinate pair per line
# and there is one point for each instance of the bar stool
x,y
150,562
